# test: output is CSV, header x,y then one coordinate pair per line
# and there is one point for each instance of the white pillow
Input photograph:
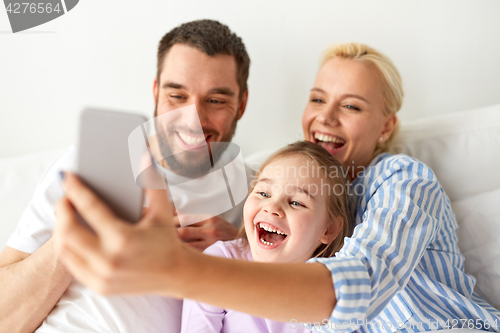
x,y
462,148
18,178
478,233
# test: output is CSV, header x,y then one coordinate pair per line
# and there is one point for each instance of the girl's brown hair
x,y
337,204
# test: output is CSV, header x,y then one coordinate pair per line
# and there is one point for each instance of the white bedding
x,y
462,148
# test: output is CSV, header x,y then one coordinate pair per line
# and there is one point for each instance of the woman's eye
x,y
176,96
264,194
351,107
317,100
296,204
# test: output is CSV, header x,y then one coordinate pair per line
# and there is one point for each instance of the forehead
x,y
292,169
194,69
347,76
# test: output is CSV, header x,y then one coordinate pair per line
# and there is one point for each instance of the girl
x,y
295,211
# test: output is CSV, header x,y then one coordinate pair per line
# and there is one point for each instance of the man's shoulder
x,y
65,161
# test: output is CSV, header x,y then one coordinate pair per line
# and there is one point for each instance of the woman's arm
x,y
399,215
150,258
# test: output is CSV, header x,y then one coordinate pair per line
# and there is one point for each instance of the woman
x,y
401,269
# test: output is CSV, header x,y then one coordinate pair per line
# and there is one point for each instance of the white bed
x,y
463,149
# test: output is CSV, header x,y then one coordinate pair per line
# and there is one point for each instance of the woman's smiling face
x,y
345,113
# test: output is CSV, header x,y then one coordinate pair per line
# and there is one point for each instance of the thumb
x,y
161,210
95,212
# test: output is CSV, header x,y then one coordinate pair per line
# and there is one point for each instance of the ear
x,y
155,90
332,231
243,104
389,126
155,96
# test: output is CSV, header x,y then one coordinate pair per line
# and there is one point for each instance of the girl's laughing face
x,y
285,215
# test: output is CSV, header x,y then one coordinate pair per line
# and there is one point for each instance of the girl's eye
x,y
351,107
296,204
264,194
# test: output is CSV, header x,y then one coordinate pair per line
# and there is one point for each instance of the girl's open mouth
x,y
331,143
269,236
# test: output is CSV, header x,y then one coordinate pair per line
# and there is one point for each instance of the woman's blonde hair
x,y
392,86
337,204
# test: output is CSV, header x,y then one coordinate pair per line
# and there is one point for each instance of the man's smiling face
x,y
191,77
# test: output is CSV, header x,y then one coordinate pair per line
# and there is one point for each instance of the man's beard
x,y
188,163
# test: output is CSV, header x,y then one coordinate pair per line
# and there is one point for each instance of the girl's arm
x,y
281,292
148,257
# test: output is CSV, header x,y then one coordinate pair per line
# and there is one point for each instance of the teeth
x,y
326,138
271,229
267,243
191,140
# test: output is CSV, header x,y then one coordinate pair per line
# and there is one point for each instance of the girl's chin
x,y
264,259
260,255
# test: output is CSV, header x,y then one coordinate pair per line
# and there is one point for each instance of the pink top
x,y
201,317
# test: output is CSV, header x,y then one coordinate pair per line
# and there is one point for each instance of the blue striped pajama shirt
x,y
402,269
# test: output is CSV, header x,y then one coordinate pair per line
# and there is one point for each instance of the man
x,y
200,63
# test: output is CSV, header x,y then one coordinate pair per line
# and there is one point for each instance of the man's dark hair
x,y
210,37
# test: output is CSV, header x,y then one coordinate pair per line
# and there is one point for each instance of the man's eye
x,y
296,204
264,194
351,107
176,96
215,101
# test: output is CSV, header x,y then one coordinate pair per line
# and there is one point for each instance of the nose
x,y
328,116
202,112
274,209
192,118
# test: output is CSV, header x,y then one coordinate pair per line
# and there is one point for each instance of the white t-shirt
x,y
80,309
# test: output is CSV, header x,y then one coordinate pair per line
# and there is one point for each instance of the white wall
x,y
102,53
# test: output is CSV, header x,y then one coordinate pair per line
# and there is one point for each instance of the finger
x,y
195,220
193,233
80,269
67,222
71,234
95,212
160,207
188,233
